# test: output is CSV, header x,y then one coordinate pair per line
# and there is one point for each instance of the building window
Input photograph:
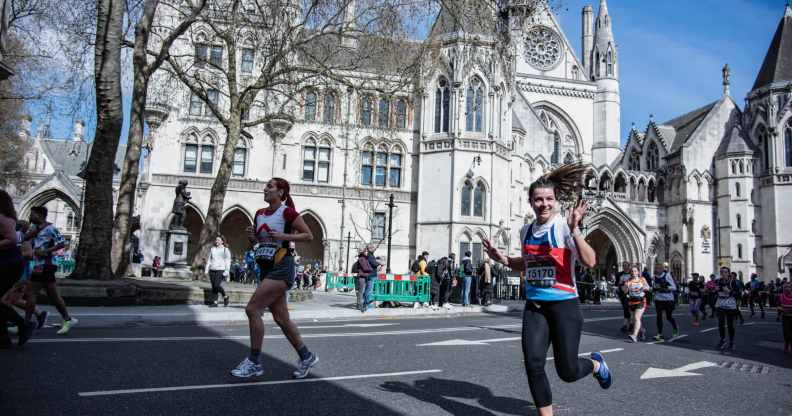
x,y
316,161
739,221
788,145
383,113
556,149
70,219
213,96
381,167
365,111
216,56
240,159
247,61
323,166
201,53
367,166
196,105
479,196
378,226
475,249
652,157
475,106
764,146
190,158
329,107
310,106
442,105
753,226
635,161
467,194
395,169
207,158
610,63
739,251
309,161
401,114
737,189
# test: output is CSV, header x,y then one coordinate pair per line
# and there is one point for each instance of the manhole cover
x,y
744,367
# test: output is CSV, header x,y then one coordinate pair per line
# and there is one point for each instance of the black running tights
x,y
726,317
9,275
666,306
558,323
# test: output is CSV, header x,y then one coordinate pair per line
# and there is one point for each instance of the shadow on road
x,y
442,392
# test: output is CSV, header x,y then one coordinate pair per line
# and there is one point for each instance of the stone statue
x,y
179,202
705,232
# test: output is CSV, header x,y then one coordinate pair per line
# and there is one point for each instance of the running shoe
x,y
658,337
304,366
66,327
247,369
41,319
674,333
721,345
26,332
225,301
603,375
633,338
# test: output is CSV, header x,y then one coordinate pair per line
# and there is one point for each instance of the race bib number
x,y
266,252
540,273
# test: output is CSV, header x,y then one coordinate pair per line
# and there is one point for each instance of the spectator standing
x,y
664,288
448,276
757,289
620,282
363,269
218,266
486,281
156,266
466,273
375,267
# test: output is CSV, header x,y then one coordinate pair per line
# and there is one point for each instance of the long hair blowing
x,y
566,180
283,185
7,205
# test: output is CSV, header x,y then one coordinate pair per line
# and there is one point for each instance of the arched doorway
x,y
234,229
313,251
194,224
607,260
62,211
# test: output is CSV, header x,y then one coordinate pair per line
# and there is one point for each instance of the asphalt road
x,y
380,367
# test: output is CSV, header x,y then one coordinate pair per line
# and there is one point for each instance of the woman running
x,y
276,226
550,247
726,306
695,291
785,309
635,290
11,267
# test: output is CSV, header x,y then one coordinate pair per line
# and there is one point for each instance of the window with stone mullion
x,y
309,162
190,158
467,197
207,158
323,164
394,170
383,113
381,171
365,111
240,159
310,106
366,167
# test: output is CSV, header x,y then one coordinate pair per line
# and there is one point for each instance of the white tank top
x,y
266,224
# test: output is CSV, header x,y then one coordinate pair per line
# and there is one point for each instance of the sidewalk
x,y
323,306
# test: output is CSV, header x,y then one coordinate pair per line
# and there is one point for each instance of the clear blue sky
x,y
670,52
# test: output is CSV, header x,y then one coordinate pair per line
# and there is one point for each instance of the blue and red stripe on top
x,y
545,249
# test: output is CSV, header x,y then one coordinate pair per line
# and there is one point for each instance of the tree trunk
x,y
211,228
93,251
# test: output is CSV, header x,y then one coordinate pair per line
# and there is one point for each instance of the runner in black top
x,y
695,293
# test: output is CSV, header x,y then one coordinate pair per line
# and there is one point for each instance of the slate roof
x,y
69,155
463,16
735,143
777,65
685,125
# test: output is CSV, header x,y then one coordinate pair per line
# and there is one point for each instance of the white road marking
x,y
586,354
454,342
714,328
260,383
683,371
343,326
669,340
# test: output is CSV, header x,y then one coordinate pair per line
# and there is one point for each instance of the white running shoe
x,y
304,366
67,325
247,369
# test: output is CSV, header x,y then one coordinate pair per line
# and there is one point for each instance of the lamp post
x,y
349,242
390,231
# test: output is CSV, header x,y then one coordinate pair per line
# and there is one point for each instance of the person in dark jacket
x,y
363,269
372,260
447,276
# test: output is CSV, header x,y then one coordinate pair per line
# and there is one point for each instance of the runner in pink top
x,y
785,308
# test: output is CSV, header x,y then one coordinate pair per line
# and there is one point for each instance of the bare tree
x,y
93,260
295,44
371,227
146,59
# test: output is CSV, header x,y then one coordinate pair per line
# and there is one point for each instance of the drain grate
x,y
744,367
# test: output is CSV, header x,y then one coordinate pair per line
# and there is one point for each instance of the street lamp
x,y
390,231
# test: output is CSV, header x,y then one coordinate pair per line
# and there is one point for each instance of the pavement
x,y
453,364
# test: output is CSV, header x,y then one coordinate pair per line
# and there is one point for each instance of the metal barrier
x,y
402,288
340,281
65,266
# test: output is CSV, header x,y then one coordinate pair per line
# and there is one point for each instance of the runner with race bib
x,y
275,227
550,248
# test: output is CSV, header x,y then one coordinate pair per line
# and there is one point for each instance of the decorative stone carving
x,y
543,48
179,203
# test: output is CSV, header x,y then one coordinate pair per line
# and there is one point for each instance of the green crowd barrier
x,y
339,281
402,288
66,266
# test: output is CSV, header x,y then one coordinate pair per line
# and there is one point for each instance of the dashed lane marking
x,y
260,383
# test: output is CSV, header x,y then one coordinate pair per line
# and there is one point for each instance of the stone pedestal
x,y
176,255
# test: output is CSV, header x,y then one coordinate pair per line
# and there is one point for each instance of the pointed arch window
x,y
240,161
207,158
739,251
467,195
316,161
635,161
367,165
395,168
190,158
652,157
479,196
475,105
737,189
442,106
764,146
70,219
365,111
310,106
788,145
401,113
329,107
556,148
610,63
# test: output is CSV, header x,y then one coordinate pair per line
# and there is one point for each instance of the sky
x,y
670,53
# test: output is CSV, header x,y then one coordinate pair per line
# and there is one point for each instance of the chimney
x,y
24,127
349,25
587,35
43,130
79,128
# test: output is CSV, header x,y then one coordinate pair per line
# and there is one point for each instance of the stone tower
x,y
604,70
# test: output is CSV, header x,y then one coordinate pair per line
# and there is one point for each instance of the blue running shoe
x,y
603,376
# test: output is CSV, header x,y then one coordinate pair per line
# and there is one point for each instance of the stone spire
x,y
604,61
607,102
726,82
777,64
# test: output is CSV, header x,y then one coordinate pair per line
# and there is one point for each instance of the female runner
x,y
276,226
550,247
635,290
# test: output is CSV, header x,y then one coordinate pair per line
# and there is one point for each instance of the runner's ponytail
x,y
283,185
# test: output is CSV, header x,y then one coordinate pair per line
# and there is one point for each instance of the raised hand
x,y
575,215
493,252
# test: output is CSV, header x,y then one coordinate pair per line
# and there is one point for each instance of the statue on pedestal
x,y
179,203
